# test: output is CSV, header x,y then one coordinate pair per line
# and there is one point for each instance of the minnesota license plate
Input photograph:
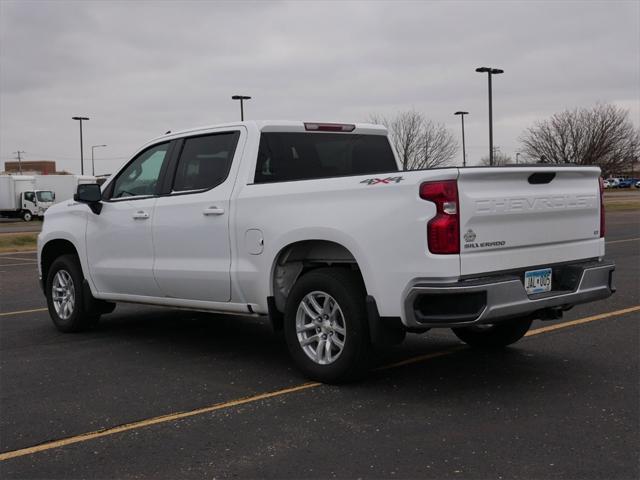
x,y
537,281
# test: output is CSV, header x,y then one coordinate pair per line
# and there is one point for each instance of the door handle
x,y
140,215
213,211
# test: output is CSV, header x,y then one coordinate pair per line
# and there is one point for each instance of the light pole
x,y
81,152
464,154
490,71
517,157
242,98
93,166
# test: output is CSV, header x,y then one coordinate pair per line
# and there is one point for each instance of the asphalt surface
x,y
559,404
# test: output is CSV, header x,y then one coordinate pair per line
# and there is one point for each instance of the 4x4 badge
x,y
375,181
470,236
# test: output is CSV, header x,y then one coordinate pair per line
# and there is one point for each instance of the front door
x,y
119,239
191,224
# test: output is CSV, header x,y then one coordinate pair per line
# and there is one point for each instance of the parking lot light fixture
x,y
93,166
464,155
490,72
242,98
80,119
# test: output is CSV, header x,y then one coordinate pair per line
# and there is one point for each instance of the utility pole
x,y
18,153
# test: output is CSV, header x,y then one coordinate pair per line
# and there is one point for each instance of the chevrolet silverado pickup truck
x,y
316,226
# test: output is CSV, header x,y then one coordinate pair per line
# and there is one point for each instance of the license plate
x,y
537,281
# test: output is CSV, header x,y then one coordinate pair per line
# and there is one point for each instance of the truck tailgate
x,y
513,217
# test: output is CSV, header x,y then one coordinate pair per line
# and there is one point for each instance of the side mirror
x,y
90,194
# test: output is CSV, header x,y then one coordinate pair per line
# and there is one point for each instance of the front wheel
x,y
325,325
494,336
27,216
66,296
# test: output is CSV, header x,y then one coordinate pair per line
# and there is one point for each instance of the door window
x,y
205,161
140,177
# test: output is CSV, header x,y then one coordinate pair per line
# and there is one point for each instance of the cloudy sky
x,y
141,68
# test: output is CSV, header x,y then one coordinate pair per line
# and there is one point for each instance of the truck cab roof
x,y
276,126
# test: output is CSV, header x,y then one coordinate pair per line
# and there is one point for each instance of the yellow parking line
x,y
14,264
18,258
422,358
277,393
622,241
152,421
20,312
580,321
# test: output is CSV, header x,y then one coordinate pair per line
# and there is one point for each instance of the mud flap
x,y
384,331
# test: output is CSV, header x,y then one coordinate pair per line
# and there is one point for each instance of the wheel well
x,y
53,250
301,257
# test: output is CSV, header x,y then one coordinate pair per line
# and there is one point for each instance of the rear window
x,y
285,156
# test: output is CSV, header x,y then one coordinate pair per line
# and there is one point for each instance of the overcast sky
x,y
139,69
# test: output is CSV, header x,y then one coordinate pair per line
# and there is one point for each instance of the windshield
x,y
45,196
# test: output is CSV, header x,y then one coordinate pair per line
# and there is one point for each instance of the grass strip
x,y
17,242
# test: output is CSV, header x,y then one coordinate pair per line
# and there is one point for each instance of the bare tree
x,y
419,143
602,135
499,159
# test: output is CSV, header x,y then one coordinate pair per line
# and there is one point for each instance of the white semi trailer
x,y
20,198
62,186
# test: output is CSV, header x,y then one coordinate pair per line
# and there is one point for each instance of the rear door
x,y
517,217
191,223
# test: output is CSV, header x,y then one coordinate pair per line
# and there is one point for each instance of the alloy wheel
x,y
321,327
63,294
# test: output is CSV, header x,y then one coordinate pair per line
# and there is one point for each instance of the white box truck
x,y
62,186
19,197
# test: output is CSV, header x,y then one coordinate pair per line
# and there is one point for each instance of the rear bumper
x,y
492,299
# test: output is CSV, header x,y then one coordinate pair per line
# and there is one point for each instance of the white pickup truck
x,y
316,226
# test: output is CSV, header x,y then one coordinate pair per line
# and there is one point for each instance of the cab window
x,y
205,161
140,177
287,156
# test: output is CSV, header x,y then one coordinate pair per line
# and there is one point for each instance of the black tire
x,y
27,216
494,336
82,316
347,290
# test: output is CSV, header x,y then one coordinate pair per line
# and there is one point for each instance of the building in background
x,y
31,167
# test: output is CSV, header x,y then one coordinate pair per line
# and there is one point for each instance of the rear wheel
x,y
325,325
495,335
66,298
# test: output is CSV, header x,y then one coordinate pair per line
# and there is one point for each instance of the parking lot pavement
x,y
562,403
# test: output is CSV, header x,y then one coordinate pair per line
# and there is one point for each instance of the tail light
x,y
443,230
602,221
